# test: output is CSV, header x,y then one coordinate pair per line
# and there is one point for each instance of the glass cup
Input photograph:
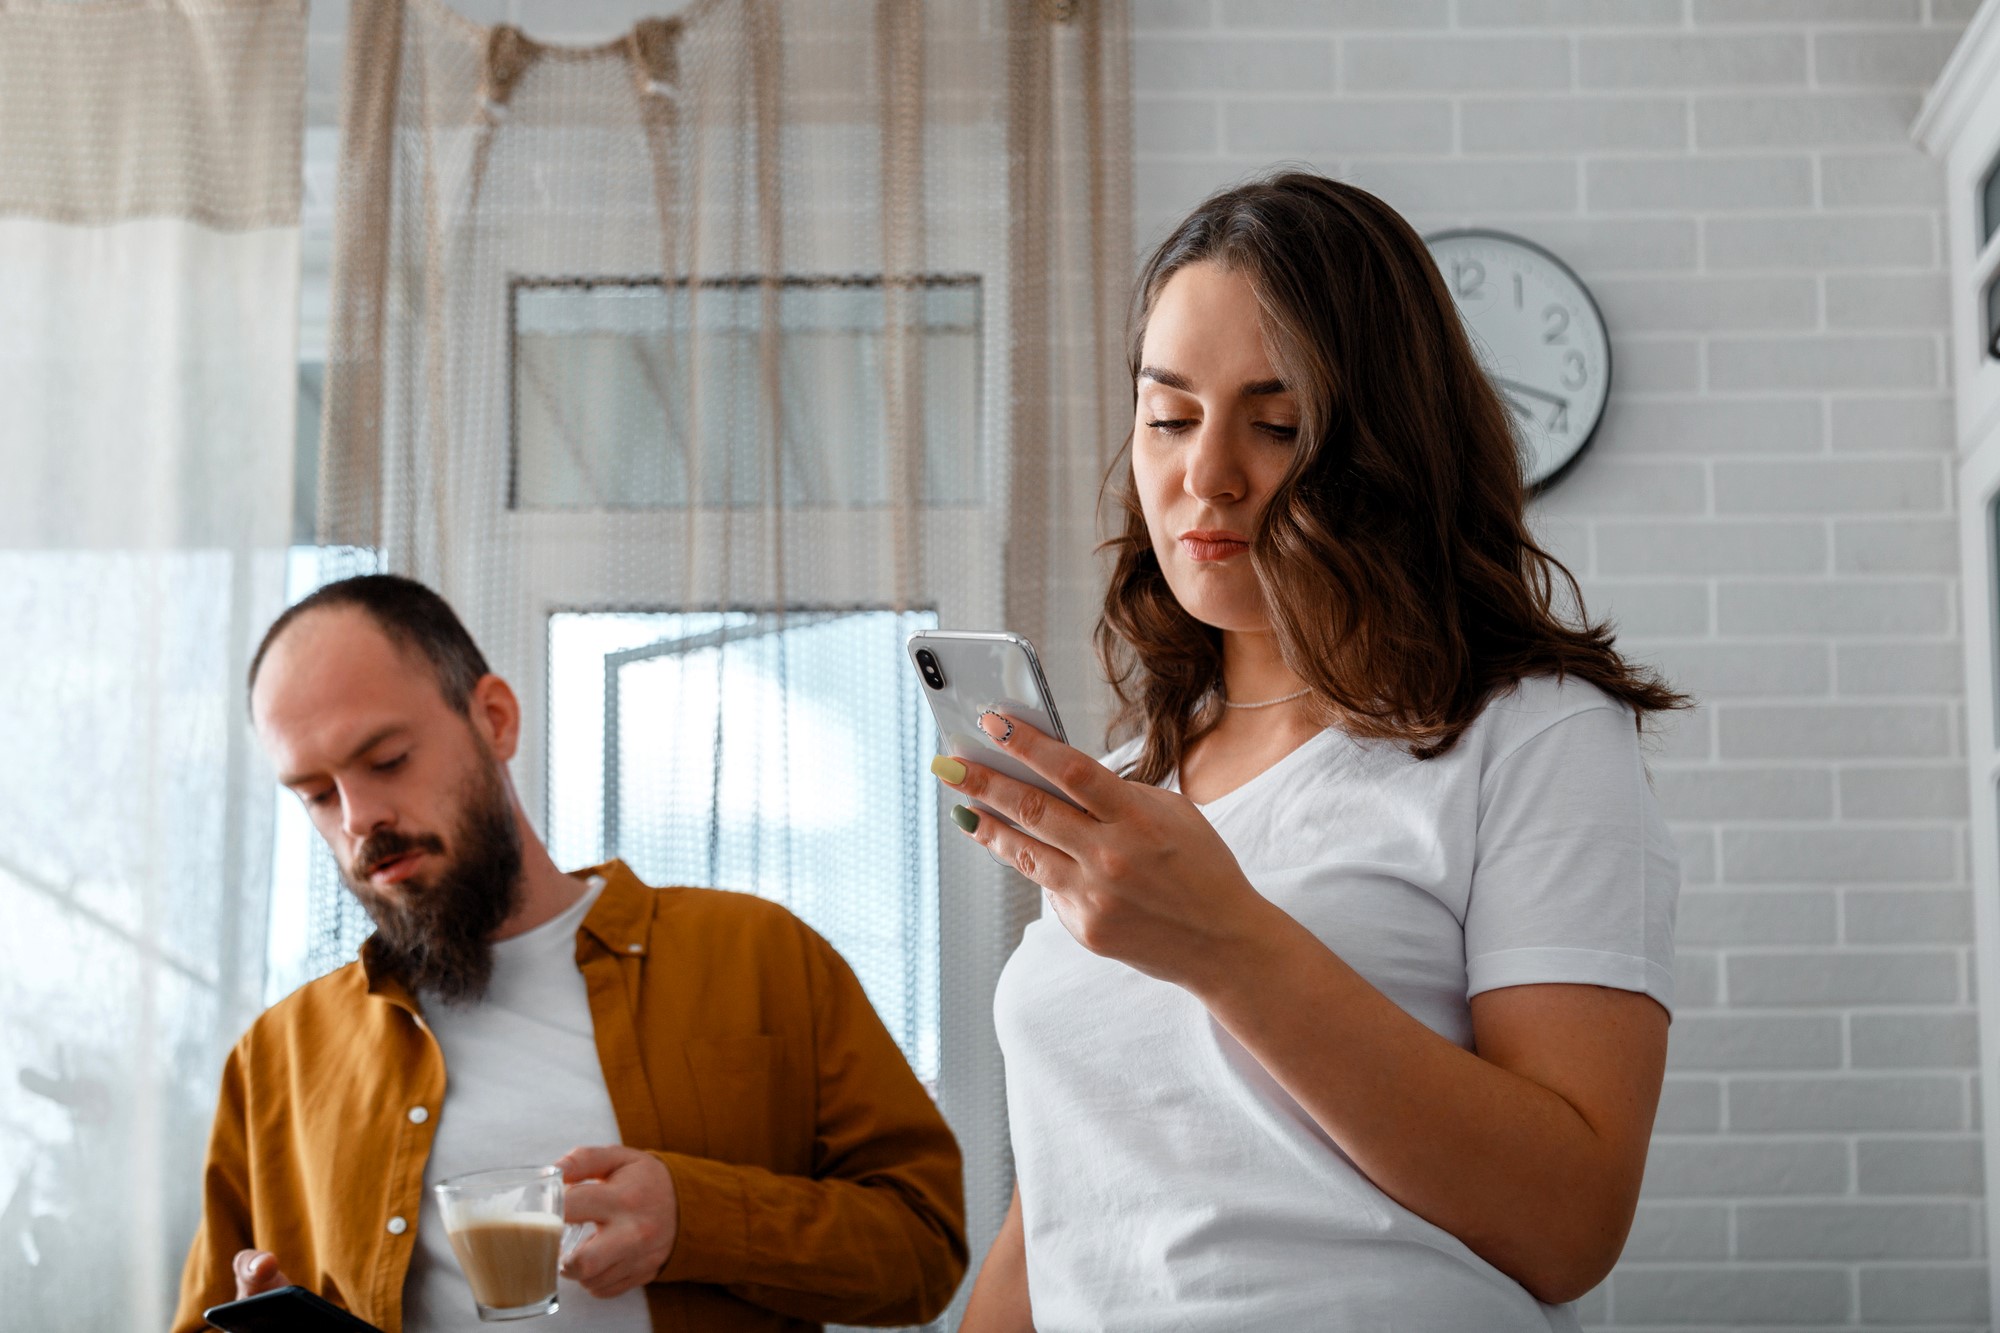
x,y
506,1227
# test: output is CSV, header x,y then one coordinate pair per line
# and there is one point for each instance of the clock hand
x,y
1515,386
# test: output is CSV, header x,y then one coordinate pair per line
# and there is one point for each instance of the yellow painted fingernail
x,y
951,770
965,819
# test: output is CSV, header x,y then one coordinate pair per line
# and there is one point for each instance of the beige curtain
x,y
698,368
149,260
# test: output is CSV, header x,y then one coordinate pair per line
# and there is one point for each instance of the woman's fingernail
x,y
951,770
997,725
965,819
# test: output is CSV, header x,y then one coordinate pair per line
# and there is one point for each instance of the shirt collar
x,y
620,918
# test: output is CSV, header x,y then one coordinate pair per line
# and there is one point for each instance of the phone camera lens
x,y
927,663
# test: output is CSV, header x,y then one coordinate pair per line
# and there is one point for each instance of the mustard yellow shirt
x,y
817,1181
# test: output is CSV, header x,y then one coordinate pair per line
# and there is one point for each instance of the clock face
x,y
1539,335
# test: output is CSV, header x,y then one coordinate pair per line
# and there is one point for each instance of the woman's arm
x,y
1530,1151
999,1301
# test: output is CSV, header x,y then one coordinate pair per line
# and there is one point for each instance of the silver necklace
x,y
1267,703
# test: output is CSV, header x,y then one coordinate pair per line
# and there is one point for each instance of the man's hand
x,y
256,1273
631,1198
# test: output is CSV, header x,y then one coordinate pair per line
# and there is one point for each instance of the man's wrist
x,y
711,1224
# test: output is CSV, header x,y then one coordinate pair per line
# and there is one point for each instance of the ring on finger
x,y
1005,721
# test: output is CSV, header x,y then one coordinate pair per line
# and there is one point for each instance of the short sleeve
x,y
1575,879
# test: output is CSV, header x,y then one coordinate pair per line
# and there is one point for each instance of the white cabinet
x,y
1960,123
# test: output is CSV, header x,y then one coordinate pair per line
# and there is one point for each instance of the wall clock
x,y
1541,337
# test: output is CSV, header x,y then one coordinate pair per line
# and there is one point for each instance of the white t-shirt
x,y
522,1087
1168,1182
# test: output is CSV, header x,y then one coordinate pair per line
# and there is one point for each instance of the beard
x,y
437,937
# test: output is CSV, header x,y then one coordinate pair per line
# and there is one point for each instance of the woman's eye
x,y
1173,427
391,765
1277,432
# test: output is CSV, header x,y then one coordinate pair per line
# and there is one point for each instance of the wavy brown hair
x,y
1403,584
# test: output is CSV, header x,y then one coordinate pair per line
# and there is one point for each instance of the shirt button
x,y
397,1226
418,1115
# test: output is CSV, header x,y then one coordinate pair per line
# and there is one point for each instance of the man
x,y
727,1109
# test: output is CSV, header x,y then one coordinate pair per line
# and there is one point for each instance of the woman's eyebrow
x,y
1173,379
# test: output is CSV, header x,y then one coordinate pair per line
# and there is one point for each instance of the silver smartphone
x,y
967,673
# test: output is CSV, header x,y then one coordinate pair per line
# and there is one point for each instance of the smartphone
x,y
286,1310
966,674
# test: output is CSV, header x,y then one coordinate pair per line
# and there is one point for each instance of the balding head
x,y
410,615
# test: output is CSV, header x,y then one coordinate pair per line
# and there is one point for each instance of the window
x,y
599,412
778,755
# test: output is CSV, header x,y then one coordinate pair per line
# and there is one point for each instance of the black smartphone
x,y
286,1310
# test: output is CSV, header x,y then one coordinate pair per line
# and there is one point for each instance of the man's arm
x,y
876,1235
209,1277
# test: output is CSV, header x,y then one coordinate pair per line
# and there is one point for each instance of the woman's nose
x,y
1214,466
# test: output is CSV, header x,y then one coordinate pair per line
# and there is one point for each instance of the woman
x,y
1350,1007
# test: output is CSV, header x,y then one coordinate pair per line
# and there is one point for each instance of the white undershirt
x,y
522,1087
1169,1183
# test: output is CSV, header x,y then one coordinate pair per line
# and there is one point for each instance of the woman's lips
x,y
1203,548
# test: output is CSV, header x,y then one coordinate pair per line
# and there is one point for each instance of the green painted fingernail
x,y
951,770
965,819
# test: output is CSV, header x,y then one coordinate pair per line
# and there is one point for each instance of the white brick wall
x,y
1767,513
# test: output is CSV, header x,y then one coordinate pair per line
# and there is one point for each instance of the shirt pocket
x,y
735,1082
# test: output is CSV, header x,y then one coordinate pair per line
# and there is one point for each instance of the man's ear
x,y
497,714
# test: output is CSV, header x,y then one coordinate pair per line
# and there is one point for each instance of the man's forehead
x,y
332,647
333,675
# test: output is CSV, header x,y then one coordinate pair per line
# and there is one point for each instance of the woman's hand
x,y
1137,874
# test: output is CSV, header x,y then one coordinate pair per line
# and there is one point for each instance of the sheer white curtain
x,y
149,196
698,366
